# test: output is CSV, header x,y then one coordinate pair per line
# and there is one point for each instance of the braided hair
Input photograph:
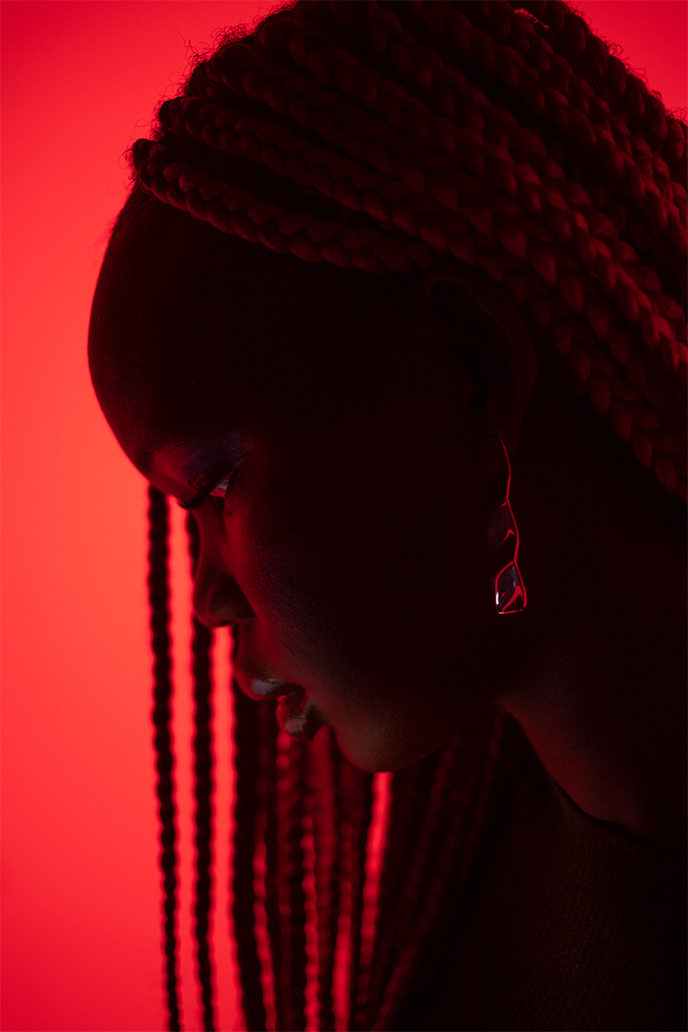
x,y
505,135
158,598
381,137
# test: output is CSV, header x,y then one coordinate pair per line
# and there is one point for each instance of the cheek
x,y
375,585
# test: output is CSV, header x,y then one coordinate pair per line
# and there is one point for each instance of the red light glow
x,y
81,886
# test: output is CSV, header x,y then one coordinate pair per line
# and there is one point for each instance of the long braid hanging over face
x,y
382,136
506,135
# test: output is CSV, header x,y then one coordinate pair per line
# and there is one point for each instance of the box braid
x,y
271,958
478,805
247,728
311,901
549,187
446,874
324,759
381,136
158,597
285,896
285,790
455,801
203,790
408,808
407,891
355,810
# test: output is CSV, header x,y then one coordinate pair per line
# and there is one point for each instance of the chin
x,y
381,750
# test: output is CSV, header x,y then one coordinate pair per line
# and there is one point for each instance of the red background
x,y
80,890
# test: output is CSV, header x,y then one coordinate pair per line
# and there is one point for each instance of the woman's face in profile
x,y
324,435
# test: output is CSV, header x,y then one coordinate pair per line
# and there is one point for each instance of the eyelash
x,y
223,485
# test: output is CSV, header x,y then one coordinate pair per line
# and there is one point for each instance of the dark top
x,y
571,924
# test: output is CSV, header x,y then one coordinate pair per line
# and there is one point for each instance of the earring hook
x,y
509,587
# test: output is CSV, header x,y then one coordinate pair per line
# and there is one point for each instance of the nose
x,y
217,598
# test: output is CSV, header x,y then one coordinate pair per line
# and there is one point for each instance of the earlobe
x,y
491,340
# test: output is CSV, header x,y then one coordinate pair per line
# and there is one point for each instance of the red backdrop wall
x,y
80,890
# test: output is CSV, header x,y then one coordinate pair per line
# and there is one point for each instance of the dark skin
x,y
355,417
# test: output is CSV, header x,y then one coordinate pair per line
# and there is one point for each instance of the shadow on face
x,y
350,545
350,535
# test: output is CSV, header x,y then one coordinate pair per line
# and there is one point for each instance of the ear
x,y
480,323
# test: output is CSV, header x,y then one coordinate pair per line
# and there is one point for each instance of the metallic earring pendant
x,y
509,590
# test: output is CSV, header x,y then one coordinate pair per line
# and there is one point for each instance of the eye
x,y
223,487
220,490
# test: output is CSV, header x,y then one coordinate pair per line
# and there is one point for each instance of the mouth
x,y
296,714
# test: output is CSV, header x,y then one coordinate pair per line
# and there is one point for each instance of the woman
x,y
401,364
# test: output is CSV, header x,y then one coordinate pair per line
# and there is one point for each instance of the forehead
x,y
190,326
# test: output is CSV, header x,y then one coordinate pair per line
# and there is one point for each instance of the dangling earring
x,y
503,539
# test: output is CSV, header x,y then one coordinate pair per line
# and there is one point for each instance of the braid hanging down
x,y
558,174
203,789
158,597
381,136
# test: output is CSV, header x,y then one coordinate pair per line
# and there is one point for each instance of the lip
x,y
260,688
297,715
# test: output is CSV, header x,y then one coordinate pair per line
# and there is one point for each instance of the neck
x,y
604,700
605,711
